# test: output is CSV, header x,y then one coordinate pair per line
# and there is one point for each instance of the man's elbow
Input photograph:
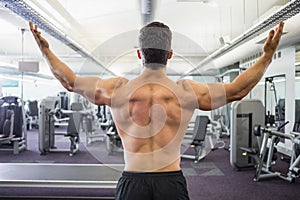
x,y
67,86
70,89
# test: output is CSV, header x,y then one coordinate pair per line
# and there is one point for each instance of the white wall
x,y
297,89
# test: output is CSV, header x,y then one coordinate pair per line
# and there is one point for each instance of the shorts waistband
x,y
151,174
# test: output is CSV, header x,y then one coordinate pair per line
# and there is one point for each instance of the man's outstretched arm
x,y
60,70
214,95
96,90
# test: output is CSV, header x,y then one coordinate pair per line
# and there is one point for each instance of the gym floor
x,y
212,178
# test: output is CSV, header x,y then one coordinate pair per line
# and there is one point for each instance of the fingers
x,y
35,33
281,24
31,26
270,37
34,30
277,34
273,39
274,35
279,29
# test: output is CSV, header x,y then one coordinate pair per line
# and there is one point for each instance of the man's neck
x,y
148,72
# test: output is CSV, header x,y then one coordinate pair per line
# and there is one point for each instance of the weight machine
x,y
13,132
202,138
265,156
47,131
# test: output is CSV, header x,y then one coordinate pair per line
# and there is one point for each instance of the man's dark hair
x,y
155,44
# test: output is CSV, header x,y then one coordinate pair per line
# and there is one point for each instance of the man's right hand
x,y
42,43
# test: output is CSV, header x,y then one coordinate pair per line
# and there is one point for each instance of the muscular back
x,y
151,114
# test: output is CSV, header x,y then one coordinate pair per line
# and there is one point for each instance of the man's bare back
x,y
151,113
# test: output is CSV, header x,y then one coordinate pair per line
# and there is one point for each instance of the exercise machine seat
x,y
7,128
74,127
33,109
200,130
75,120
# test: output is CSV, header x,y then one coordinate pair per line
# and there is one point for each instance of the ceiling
x,y
107,31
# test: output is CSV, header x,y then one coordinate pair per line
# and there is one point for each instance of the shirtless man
x,y
152,112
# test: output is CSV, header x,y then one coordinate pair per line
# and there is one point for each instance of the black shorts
x,y
152,186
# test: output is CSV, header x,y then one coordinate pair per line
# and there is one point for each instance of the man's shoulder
x,y
184,83
120,81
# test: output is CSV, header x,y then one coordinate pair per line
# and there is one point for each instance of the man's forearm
x,y
249,78
59,69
